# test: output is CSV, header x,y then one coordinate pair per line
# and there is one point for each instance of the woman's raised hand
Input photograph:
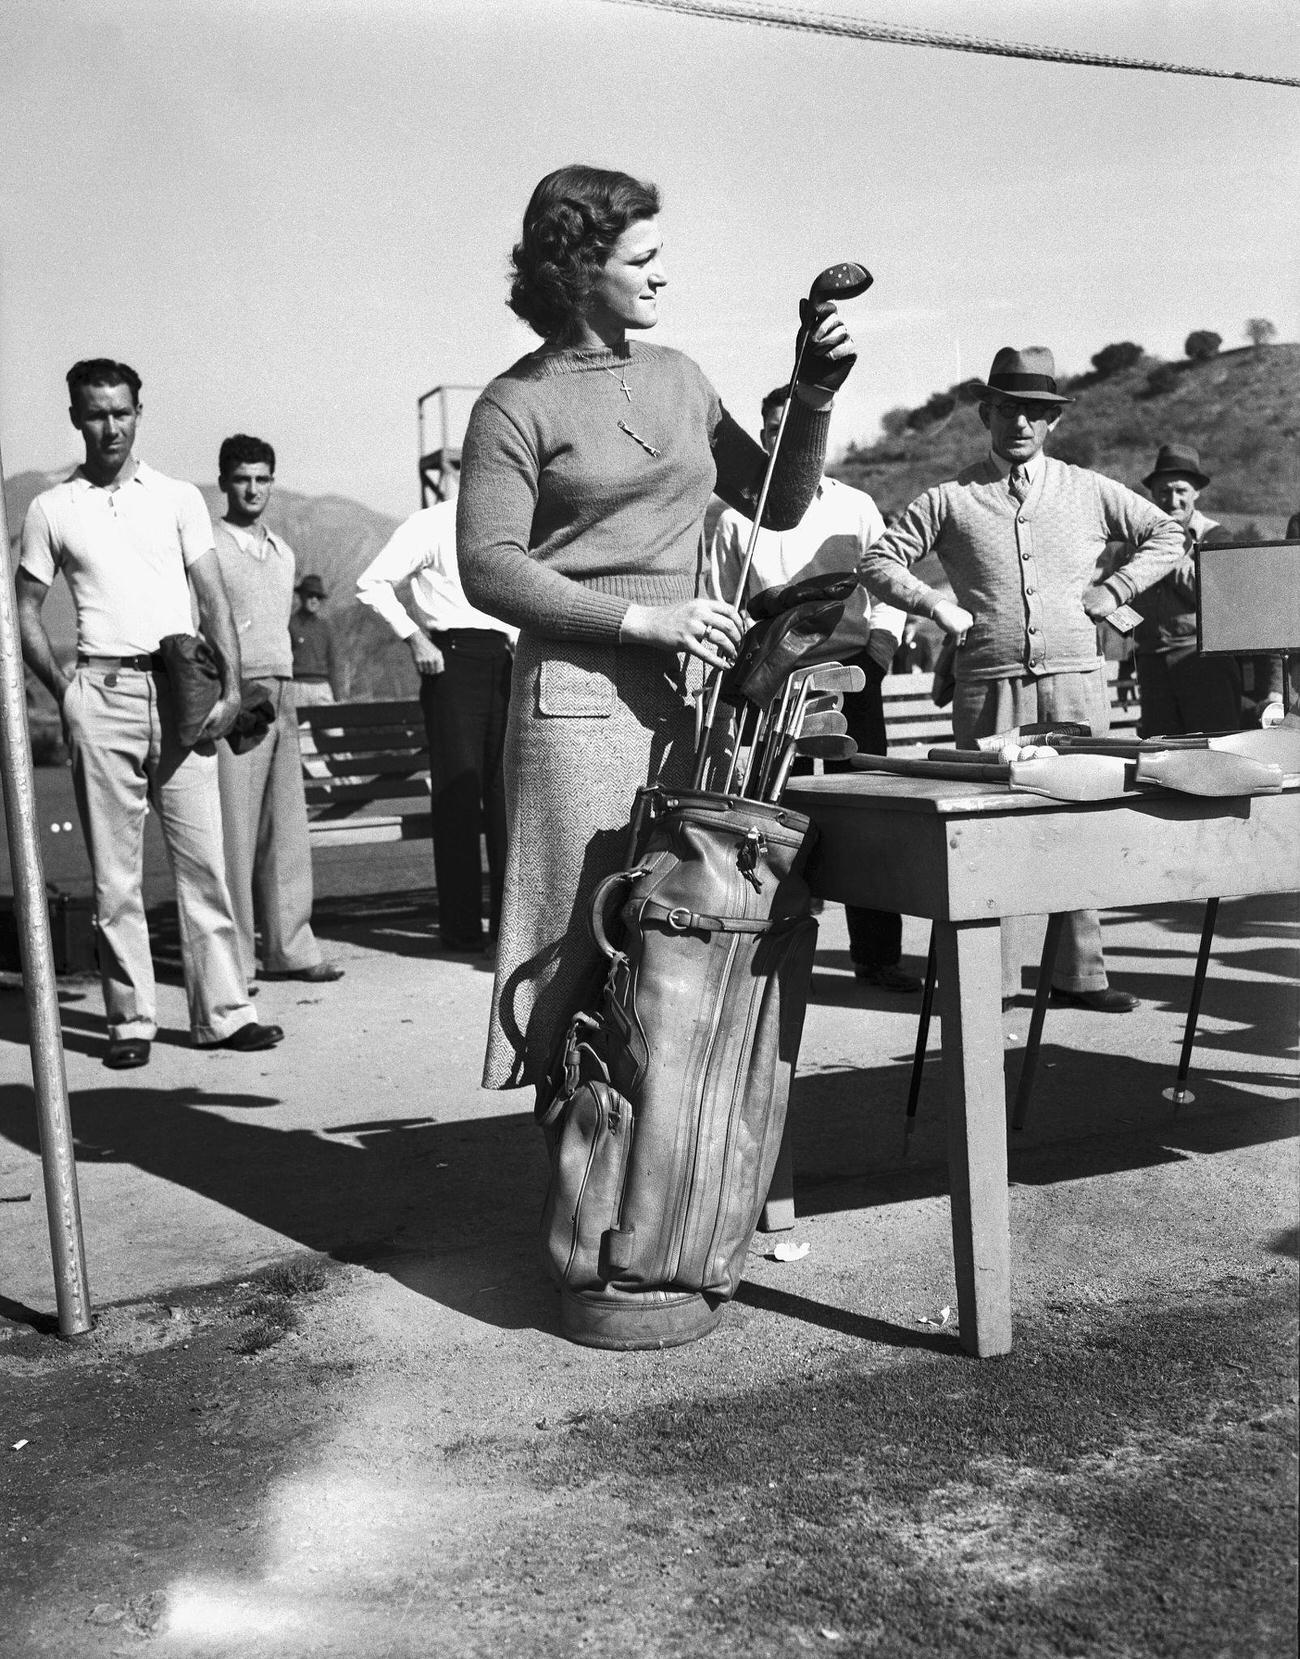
x,y
706,628
829,353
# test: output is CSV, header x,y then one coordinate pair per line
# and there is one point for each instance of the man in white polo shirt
x,y
464,659
263,813
132,546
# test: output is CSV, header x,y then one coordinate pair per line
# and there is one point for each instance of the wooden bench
x,y
360,760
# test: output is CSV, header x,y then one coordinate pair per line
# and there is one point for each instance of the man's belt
x,y
143,663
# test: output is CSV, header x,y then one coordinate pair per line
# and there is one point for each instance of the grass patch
x,y
270,1303
1121,1485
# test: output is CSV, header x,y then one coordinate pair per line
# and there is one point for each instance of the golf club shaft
x,y
715,684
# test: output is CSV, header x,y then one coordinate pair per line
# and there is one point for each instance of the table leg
x,y
778,1210
969,961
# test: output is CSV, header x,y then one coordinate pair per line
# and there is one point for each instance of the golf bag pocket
x,y
588,1166
576,681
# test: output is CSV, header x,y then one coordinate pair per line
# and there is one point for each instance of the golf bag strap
x,y
600,903
681,920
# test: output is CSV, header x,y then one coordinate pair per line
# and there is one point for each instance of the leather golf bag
x,y
669,1100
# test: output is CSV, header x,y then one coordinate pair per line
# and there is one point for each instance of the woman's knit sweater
x,y
565,516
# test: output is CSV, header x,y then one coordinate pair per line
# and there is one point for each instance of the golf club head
x,y
826,747
844,281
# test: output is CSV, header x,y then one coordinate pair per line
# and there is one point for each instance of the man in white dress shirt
x,y
833,534
464,659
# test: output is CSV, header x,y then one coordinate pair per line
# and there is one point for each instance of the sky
x,y
293,217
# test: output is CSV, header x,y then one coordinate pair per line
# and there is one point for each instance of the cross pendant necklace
x,y
623,386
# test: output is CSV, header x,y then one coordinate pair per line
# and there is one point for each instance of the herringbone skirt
x,y
589,725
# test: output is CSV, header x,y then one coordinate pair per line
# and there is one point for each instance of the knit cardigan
x,y
577,499
1020,569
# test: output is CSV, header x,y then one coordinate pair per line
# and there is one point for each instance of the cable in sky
x,y
892,34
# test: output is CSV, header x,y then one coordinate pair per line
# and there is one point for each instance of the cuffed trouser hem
x,y
270,967
133,1031
204,1036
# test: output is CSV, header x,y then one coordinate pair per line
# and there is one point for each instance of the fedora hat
x,y
1028,373
311,587
1181,459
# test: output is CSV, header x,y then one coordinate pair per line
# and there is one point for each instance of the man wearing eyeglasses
x,y
1022,538
463,658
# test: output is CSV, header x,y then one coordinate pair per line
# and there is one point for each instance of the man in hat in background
x,y
1178,688
263,813
317,667
1022,538
463,658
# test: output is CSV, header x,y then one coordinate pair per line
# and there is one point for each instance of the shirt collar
x,y
1032,467
249,543
142,475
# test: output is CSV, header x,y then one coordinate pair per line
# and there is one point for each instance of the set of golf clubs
x,y
805,718
803,714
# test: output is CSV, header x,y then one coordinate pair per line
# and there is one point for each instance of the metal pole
x,y
54,1120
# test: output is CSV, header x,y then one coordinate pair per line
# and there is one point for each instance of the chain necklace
x,y
621,377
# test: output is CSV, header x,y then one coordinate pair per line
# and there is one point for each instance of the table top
x,y
948,798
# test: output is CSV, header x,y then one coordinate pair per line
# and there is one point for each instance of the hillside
x,y
1241,409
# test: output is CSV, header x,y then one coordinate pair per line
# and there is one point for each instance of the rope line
x,y
852,28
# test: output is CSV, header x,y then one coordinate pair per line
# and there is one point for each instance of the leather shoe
x,y
1109,1001
888,978
250,1038
125,1053
320,973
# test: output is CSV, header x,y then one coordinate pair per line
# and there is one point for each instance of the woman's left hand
x,y
706,628
830,352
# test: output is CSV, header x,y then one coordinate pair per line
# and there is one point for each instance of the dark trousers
x,y
875,936
1182,691
465,710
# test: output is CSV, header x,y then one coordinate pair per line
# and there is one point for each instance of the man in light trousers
x,y
133,546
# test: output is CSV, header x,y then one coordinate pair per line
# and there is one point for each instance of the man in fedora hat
x,y
317,670
1179,689
463,658
1022,537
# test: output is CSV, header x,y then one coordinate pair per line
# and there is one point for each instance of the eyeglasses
x,y
1032,412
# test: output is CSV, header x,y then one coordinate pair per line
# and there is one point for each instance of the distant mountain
x,y
1241,409
332,537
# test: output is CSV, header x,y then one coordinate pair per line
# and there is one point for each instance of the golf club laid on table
x,y
1211,773
844,281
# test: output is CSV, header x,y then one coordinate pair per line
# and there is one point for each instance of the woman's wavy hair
x,y
571,223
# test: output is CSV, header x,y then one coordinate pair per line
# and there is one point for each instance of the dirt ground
x,y
325,1408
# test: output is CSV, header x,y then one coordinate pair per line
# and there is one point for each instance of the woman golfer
x,y
586,471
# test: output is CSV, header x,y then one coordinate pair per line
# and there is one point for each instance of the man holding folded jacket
x,y
839,526
133,546
1022,538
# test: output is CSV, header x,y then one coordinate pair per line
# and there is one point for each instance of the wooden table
x,y
966,855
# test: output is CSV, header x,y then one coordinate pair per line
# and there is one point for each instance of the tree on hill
x,y
1202,344
1115,358
1259,331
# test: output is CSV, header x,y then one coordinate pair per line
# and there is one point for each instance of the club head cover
x,y
772,650
772,601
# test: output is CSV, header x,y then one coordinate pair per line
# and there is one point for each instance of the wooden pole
x,y
54,1119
